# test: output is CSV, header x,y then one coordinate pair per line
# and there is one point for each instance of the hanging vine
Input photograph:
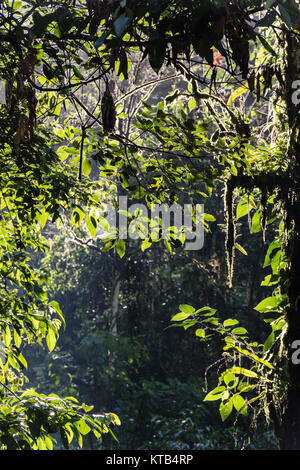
x,y
230,229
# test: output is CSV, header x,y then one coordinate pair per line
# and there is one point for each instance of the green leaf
x,y
187,324
17,339
145,244
252,356
266,45
17,4
77,72
241,249
274,247
157,52
41,22
120,246
100,41
180,316
7,335
48,71
204,49
230,322
168,245
237,93
230,380
243,371
192,104
206,311
200,332
285,15
225,409
64,437
256,226
115,419
270,280
120,24
57,309
108,246
21,359
268,305
259,397
86,166
239,331
186,308
51,339
87,408
268,19
215,394
77,217
230,341
82,427
242,209
91,224
269,342
209,217
277,262
239,404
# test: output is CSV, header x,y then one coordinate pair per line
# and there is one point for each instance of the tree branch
x,y
70,85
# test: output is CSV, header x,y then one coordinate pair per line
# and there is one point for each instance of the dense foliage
x,y
179,102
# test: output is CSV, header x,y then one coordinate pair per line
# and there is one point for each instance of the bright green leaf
x,y
51,339
86,166
215,394
241,249
180,316
229,322
120,246
225,409
269,342
200,332
268,305
186,308
91,224
239,331
239,403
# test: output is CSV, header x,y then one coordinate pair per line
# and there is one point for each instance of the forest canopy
x,y
112,111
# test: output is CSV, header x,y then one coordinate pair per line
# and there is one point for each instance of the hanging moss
x,y
249,215
266,183
263,203
230,229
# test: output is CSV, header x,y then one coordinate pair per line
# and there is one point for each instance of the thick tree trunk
x,y
289,427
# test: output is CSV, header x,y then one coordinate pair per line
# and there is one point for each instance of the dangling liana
x,y
230,230
263,220
249,214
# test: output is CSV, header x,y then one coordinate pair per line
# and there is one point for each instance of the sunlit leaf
x,y
215,394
